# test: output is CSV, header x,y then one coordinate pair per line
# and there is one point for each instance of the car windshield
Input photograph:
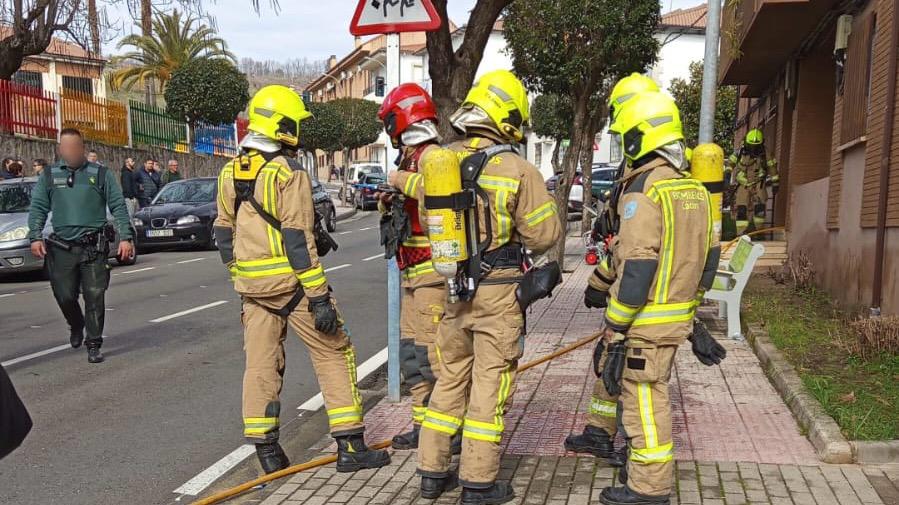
x,y
15,198
604,175
375,179
371,169
187,192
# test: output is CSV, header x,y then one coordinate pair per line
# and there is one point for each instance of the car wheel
x,y
128,261
331,224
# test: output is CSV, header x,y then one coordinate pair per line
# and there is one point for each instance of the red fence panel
x,y
26,110
242,124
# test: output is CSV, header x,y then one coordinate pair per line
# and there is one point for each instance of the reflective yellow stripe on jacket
x,y
312,278
254,269
651,313
504,187
541,213
413,271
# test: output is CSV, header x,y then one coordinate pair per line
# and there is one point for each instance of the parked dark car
x,y
324,206
366,189
181,215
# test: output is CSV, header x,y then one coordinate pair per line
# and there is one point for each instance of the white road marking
x,y
345,233
366,228
196,485
38,354
188,311
7,295
376,256
190,261
338,267
362,371
138,270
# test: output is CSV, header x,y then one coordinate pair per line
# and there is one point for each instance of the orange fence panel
x,y
98,119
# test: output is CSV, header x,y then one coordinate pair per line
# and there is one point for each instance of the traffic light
x,y
380,84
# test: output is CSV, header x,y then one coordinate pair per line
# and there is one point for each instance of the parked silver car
x,y
15,248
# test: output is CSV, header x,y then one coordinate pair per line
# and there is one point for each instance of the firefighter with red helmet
x,y
410,120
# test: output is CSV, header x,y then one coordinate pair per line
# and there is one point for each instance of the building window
x,y
538,154
857,80
80,84
33,79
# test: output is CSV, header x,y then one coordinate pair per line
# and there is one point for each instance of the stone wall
x,y
191,165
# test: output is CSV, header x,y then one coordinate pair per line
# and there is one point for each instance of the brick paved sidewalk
x,y
736,442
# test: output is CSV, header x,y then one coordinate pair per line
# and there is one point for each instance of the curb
x,y
345,215
823,431
875,452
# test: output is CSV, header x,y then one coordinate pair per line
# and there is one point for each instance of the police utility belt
x,y
324,243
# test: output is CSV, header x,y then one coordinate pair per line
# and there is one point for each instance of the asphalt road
x,y
166,403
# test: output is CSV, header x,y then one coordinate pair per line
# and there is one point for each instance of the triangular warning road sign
x,y
394,16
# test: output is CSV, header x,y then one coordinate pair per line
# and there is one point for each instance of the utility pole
x,y
710,74
393,272
146,27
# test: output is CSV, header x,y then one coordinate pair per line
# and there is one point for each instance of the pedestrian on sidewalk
x,y
129,185
148,183
666,253
274,262
78,194
410,120
479,338
171,174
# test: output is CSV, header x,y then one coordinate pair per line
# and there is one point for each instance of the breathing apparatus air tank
x,y
446,224
707,167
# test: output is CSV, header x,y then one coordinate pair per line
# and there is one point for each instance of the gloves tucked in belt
x,y
326,319
596,299
705,347
614,368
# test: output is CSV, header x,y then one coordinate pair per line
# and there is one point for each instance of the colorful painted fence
x,y
25,110
98,119
218,140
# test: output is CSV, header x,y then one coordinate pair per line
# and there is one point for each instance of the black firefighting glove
x,y
706,349
326,319
596,299
597,357
614,367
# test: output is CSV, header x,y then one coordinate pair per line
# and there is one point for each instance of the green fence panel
x,y
151,126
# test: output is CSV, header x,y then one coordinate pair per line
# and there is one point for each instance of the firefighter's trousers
x,y
751,207
422,310
478,347
603,406
646,417
332,356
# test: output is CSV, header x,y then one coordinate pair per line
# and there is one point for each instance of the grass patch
x,y
861,394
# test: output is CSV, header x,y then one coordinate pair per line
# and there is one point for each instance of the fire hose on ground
x,y
315,463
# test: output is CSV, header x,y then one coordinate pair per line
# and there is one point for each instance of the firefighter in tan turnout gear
x,y
410,119
479,340
267,235
753,174
666,255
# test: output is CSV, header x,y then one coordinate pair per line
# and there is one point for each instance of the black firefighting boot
x,y
353,454
624,496
94,355
622,475
618,459
456,444
407,441
496,493
271,456
433,487
593,440
76,338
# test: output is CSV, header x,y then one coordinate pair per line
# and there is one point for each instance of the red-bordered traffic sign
x,y
394,16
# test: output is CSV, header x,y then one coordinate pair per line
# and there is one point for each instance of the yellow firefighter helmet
x,y
647,122
276,111
502,96
627,88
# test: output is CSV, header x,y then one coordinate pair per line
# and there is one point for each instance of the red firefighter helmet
x,y
407,104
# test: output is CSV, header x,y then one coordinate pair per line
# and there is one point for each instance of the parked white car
x,y
354,173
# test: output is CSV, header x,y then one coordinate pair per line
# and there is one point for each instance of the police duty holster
x,y
324,243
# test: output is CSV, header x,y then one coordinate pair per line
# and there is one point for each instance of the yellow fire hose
x,y
750,234
315,463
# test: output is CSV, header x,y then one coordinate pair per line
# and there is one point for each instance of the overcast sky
x,y
313,29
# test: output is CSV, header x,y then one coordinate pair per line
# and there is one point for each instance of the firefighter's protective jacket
x,y
521,210
666,255
264,261
414,253
753,171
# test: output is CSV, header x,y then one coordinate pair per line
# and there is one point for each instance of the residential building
x,y
63,65
682,37
819,79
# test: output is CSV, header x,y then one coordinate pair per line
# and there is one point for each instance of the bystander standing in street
x,y
92,157
157,167
129,186
4,170
38,166
148,183
171,174
15,170
78,194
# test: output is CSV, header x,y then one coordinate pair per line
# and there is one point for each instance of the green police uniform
x,y
79,217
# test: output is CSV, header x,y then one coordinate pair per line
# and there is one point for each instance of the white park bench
x,y
729,283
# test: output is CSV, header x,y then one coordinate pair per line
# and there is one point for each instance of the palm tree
x,y
174,41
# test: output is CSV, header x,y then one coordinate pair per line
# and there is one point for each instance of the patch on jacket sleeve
x,y
630,210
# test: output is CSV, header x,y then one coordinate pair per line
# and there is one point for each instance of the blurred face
x,y
92,157
129,162
148,165
71,150
37,167
173,166
156,166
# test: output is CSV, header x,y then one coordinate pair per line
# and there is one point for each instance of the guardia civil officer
x,y
78,193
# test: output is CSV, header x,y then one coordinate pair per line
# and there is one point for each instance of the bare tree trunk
x,y
146,26
587,141
569,168
555,156
452,71
93,21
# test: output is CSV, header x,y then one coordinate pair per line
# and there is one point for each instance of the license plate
x,y
160,233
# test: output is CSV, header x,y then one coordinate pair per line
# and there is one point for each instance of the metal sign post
x,y
392,17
